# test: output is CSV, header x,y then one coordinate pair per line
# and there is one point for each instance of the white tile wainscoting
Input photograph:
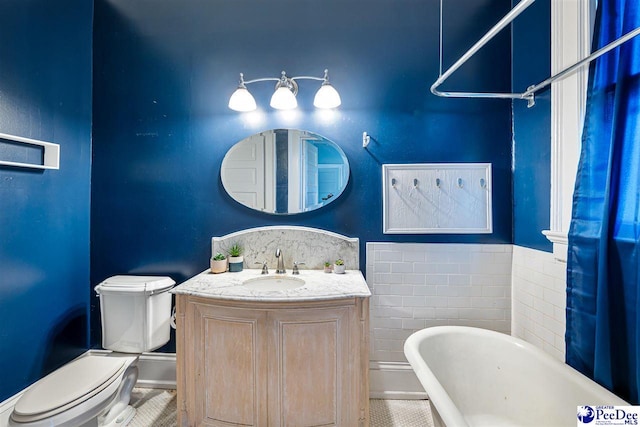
x,y
539,300
418,285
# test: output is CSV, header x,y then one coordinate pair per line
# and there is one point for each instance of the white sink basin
x,y
273,283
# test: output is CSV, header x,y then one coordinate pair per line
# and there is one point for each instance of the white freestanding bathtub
x,y
477,377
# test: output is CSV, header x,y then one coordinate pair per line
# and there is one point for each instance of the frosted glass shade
x,y
242,100
283,99
327,97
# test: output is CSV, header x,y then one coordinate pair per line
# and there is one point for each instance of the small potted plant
x,y
218,263
236,259
338,266
327,267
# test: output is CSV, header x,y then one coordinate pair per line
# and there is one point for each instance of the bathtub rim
x,y
443,403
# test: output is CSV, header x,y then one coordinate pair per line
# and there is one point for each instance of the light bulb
x,y
327,97
242,100
283,99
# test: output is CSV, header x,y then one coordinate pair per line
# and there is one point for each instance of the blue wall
x,y
45,93
164,72
532,127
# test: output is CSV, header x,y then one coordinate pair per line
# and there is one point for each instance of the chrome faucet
x,y
280,268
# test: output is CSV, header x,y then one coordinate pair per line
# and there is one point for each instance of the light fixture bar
x,y
284,97
266,79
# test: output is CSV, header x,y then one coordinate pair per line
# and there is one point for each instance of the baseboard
x,y
388,380
157,370
394,380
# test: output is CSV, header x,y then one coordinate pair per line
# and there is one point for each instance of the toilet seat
x,y
70,386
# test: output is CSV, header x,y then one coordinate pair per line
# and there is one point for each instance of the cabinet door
x,y
313,366
230,365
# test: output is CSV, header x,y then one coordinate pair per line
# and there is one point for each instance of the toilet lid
x,y
74,382
123,283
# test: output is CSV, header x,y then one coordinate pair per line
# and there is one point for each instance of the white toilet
x,y
95,390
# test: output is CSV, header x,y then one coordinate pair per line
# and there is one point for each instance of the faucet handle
x,y
265,270
295,267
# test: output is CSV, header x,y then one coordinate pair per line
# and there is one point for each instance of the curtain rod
x,y
529,94
595,55
469,53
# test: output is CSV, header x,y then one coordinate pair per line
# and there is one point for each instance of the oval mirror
x,y
285,171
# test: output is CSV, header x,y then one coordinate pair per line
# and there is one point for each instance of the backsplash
x,y
418,285
539,299
300,244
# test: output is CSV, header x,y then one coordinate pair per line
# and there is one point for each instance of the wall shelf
x,y
50,153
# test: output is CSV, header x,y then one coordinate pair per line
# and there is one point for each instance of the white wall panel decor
x,y
437,198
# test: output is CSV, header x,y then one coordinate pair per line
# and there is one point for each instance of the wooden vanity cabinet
x,y
297,364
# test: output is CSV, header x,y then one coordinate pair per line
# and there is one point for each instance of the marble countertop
x,y
318,286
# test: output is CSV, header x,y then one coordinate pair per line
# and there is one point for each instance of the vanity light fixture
x,y
284,97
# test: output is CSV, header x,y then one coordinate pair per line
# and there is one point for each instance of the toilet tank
x,y
135,312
